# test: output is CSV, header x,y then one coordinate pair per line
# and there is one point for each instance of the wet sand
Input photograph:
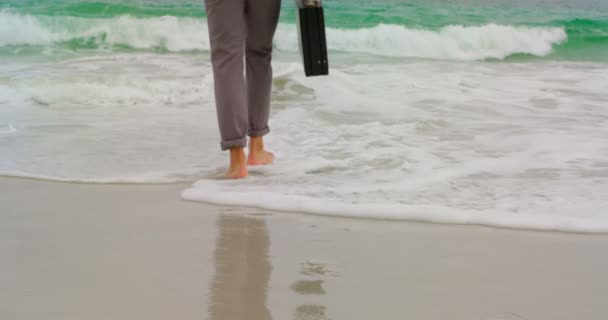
x,y
81,251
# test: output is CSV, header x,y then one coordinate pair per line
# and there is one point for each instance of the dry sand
x,y
78,251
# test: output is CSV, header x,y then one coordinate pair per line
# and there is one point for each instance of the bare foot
x,y
257,155
238,167
260,158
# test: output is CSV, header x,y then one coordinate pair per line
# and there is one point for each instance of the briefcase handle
x,y
309,3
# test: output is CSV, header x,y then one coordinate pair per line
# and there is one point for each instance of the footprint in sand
x,y
312,287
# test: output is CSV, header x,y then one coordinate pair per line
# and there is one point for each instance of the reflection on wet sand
x,y
242,270
239,289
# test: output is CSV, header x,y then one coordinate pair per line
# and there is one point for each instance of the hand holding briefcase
x,y
311,33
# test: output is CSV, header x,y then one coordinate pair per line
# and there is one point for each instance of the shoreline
x,y
188,184
74,251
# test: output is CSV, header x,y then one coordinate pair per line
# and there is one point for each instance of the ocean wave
x,y
7,129
168,32
151,178
453,42
585,26
514,145
215,193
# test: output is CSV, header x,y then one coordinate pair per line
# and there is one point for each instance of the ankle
x,y
237,157
256,144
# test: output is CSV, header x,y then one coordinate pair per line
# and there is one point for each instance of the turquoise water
x,y
31,26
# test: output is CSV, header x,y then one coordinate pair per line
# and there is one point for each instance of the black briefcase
x,y
311,33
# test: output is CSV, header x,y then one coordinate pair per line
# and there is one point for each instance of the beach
x,y
452,165
468,112
125,251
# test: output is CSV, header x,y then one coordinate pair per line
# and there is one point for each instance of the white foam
x,y
185,34
172,33
503,145
506,144
8,129
143,124
222,194
17,29
449,43
150,178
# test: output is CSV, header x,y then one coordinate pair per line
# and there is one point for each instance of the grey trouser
x,y
242,30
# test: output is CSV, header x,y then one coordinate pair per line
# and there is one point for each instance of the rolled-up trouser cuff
x,y
259,132
238,143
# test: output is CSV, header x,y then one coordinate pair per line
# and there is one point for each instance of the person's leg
x,y
227,34
261,20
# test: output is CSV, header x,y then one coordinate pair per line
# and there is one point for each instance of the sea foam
x,y
504,144
8,129
222,194
449,43
175,34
